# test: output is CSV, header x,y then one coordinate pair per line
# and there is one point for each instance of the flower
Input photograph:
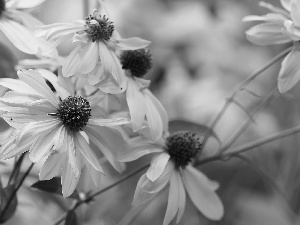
x,y
18,26
67,129
172,165
141,102
280,26
98,41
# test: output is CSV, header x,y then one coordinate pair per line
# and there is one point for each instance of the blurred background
x,y
200,56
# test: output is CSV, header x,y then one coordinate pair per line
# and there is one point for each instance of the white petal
x,y
68,180
87,152
18,86
161,110
181,198
289,74
137,152
140,196
90,59
202,193
72,62
132,43
172,207
108,122
295,9
287,4
108,143
154,119
157,166
24,4
136,104
37,82
52,166
95,174
267,34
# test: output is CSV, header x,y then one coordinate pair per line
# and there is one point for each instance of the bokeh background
x,y
200,56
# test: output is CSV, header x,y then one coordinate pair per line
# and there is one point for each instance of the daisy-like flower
x,y
278,27
69,130
19,26
172,165
141,102
98,41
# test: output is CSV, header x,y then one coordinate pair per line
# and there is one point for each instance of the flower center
x,y
100,31
74,112
183,147
2,6
138,62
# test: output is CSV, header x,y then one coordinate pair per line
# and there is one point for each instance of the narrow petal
x,y
157,166
202,194
267,34
132,43
108,142
173,200
289,74
181,198
52,166
108,122
138,152
90,59
18,86
295,9
287,4
38,83
136,104
72,62
140,196
24,4
68,180
87,152
95,174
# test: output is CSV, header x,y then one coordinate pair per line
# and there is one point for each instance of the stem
x,y
16,170
11,197
251,145
92,196
237,134
241,87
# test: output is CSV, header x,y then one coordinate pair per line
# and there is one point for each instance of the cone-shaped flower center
x,y
101,30
183,147
138,62
2,6
74,112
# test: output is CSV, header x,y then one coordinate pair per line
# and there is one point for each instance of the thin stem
x,y
17,166
250,145
241,87
11,197
92,196
240,131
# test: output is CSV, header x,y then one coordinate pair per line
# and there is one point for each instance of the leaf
x,y
184,125
71,218
5,196
53,186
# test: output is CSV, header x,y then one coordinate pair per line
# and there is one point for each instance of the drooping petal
x,y
287,4
87,152
38,83
72,62
90,59
295,9
132,43
136,104
140,196
108,142
267,34
137,152
18,86
173,200
52,166
271,17
23,4
108,122
157,166
95,174
69,180
274,9
202,193
181,198
289,74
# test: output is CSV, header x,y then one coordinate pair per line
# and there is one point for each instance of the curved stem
x,y
92,196
250,145
241,87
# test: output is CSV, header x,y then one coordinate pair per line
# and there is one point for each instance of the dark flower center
x,y
74,112
138,62
183,147
2,6
101,31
